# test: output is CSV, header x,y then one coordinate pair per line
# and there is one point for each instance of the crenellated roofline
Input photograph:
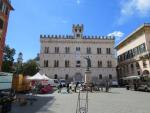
x,y
72,37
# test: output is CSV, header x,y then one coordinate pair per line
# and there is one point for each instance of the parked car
x,y
114,83
62,82
144,88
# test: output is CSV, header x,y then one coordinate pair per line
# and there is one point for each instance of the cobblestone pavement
x,y
119,100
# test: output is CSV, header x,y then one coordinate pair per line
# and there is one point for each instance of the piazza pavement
x,y
118,100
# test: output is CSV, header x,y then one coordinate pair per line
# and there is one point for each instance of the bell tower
x,y
78,30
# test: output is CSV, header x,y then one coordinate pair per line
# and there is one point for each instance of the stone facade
x,y
134,53
63,56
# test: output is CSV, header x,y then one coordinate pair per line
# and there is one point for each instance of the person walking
x,y
92,87
75,88
68,88
59,88
135,87
107,86
102,85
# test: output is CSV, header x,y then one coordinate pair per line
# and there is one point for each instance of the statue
x,y
88,62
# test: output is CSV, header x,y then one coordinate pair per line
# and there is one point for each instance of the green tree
x,y
30,68
8,59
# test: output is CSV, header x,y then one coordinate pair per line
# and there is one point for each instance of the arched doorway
x,y
145,73
77,77
145,76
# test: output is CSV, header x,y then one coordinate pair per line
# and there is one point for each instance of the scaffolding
x,y
82,102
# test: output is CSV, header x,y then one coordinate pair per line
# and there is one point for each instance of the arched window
x,y
109,64
132,67
88,50
66,63
100,76
56,63
45,63
99,63
144,64
137,65
110,76
98,50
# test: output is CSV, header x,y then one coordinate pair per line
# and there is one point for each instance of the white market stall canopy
x,y
45,77
38,76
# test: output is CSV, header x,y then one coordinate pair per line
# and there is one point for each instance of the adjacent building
x,y
134,53
5,8
62,57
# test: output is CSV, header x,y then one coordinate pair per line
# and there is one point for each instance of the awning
x,y
131,78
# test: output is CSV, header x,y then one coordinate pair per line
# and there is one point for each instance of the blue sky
x,y
100,17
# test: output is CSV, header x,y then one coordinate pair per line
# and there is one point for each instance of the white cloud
x,y
130,8
78,2
117,34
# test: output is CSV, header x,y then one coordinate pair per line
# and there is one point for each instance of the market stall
x,y
40,84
